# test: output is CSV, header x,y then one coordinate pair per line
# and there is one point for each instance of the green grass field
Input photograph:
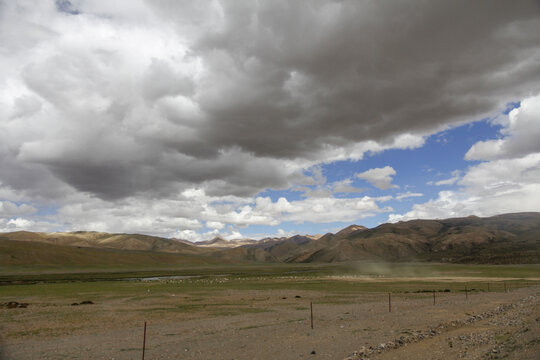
x,y
342,278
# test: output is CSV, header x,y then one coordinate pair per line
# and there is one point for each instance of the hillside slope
x,y
107,241
17,253
508,238
502,239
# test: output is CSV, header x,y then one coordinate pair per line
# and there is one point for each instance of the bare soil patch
x,y
270,324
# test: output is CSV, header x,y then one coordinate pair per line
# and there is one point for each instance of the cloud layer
x,y
110,109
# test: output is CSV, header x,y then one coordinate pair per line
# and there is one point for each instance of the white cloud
x,y
312,209
381,178
192,235
233,235
345,186
503,173
490,188
407,195
456,175
20,223
521,134
283,233
215,225
449,181
9,209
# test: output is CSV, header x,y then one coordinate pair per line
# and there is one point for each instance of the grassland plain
x,y
241,311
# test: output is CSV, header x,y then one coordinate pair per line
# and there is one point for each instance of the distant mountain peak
x,y
350,229
217,241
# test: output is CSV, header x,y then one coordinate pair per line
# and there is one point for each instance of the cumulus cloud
x,y
381,178
215,225
521,134
21,223
126,105
319,209
9,209
508,182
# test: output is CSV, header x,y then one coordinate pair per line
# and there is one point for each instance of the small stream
x,y
168,277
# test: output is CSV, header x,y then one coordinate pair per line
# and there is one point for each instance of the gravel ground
x,y
483,326
510,331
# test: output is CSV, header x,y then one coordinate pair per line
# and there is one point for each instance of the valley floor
x,y
190,321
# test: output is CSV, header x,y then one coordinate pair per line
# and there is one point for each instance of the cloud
x,y
9,209
183,215
215,225
381,178
138,116
344,186
456,175
21,223
66,6
25,106
407,195
330,209
126,105
521,134
500,185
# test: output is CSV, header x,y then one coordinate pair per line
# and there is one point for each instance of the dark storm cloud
x,y
303,74
236,97
66,6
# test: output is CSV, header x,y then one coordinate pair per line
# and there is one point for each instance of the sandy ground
x,y
482,326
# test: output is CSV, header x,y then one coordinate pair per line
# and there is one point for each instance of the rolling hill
x,y
30,253
501,239
92,239
508,238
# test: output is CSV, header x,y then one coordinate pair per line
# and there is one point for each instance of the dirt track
x,y
508,325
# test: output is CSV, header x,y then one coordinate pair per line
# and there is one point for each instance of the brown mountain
x,y
24,253
343,233
269,249
92,239
508,238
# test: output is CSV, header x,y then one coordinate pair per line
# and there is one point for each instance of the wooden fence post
x,y
311,310
144,341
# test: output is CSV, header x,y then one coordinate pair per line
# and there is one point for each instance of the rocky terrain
x,y
508,331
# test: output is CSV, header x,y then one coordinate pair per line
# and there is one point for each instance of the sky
x,y
193,119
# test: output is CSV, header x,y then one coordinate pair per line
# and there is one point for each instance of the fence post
x,y
433,297
311,310
389,302
466,292
144,341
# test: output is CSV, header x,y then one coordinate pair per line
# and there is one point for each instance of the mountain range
x,y
502,239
